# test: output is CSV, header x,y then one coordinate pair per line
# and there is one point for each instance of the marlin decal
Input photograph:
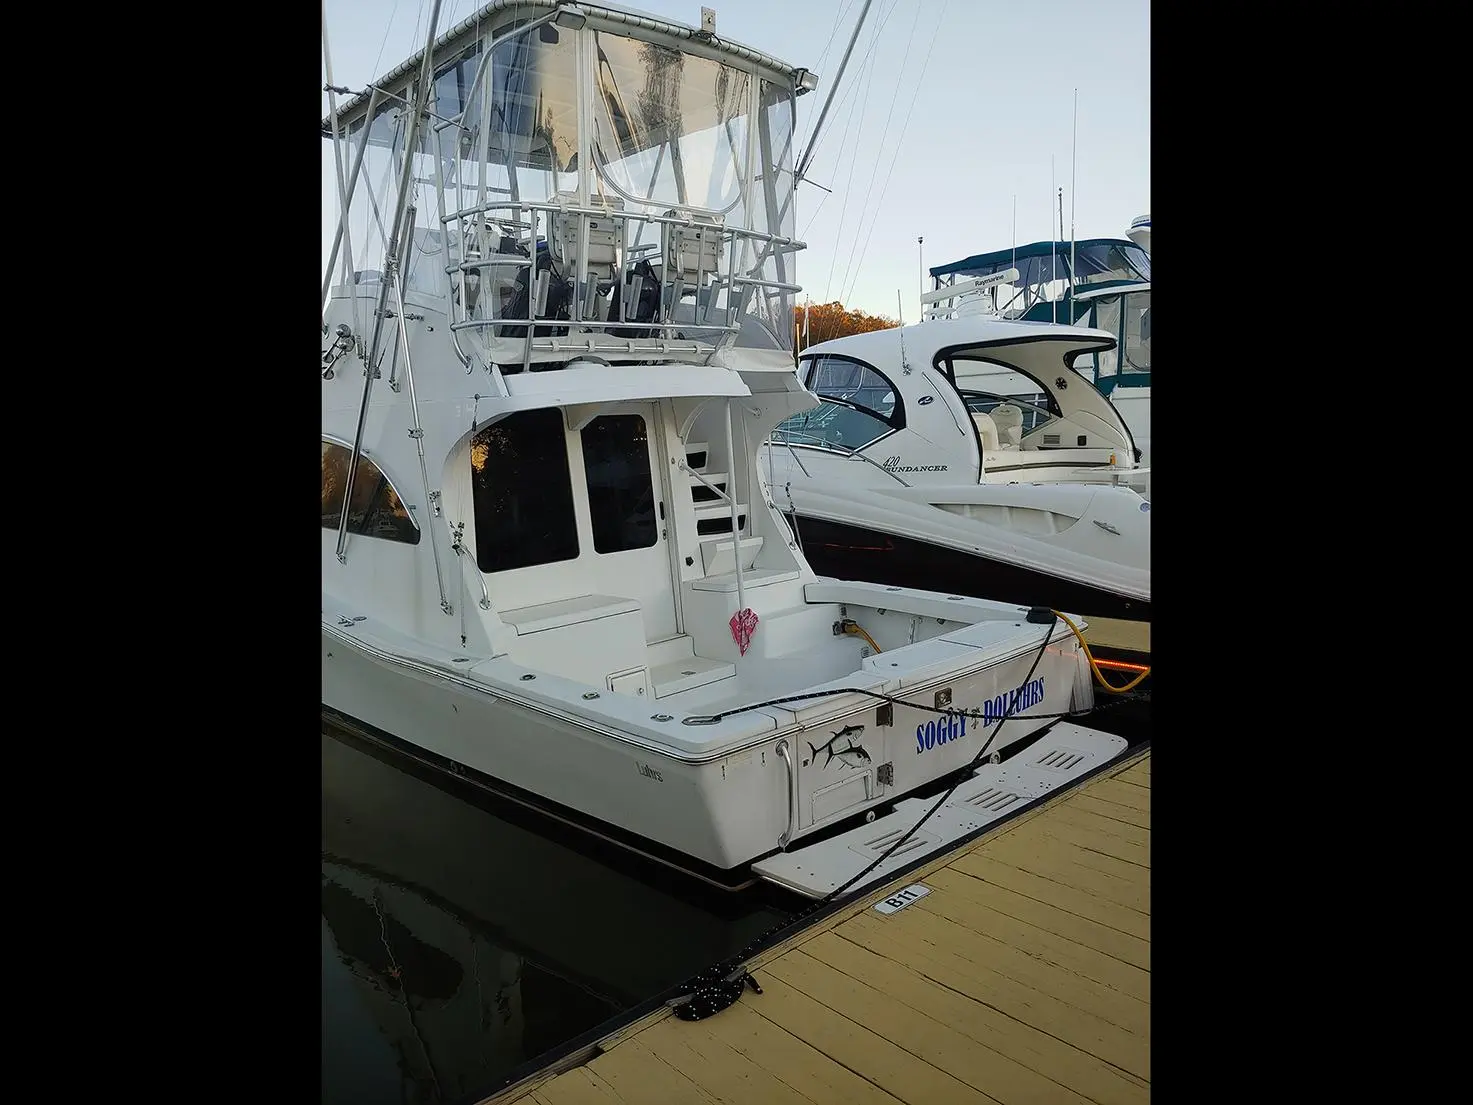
x,y
850,755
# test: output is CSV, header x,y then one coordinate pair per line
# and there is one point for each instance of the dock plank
x,y
1129,814
1067,896
578,1086
1015,976
1122,794
1057,951
1091,822
797,1063
1061,849
725,1073
1088,840
871,1056
1085,1074
996,957
1091,847
637,1074
943,1045
1042,1010
1022,978
1046,917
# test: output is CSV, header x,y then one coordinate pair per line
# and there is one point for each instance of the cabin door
x,y
629,512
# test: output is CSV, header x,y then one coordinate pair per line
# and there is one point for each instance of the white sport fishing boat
x,y
922,468
560,570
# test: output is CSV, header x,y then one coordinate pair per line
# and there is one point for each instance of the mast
x,y
1073,195
1061,238
1053,244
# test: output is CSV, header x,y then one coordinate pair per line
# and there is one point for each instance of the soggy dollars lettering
x,y
954,726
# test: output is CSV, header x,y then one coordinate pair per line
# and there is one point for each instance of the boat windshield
x,y
608,179
670,127
1128,317
859,406
1044,270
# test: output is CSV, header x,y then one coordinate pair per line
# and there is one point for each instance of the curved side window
x,y
859,406
985,385
377,510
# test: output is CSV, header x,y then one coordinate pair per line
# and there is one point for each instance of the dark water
x,y
462,936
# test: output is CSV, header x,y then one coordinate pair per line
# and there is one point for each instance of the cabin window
x,y
985,385
523,493
859,406
1106,362
1135,340
377,509
621,489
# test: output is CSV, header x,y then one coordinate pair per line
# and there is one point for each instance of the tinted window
x,y
621,492
860,405
377,510
522,492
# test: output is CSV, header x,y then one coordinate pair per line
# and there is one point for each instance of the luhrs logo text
x,y
954,726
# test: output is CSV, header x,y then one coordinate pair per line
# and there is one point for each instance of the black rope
x,y
720,985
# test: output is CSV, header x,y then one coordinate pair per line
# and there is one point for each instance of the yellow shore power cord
x,y
1099,675
855,630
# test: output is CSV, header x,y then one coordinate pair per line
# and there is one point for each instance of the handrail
x,y
461,550
816,442
787,836
722,495
611,212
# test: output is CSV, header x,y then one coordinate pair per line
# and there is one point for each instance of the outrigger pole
x,y
391,264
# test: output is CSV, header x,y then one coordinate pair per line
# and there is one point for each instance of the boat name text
x,y
892,464
954,726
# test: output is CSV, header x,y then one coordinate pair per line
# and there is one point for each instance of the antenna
x,y
921,254
1053,245
905,364
899,308
1073,195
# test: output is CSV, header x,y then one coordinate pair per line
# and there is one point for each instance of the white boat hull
x,y
726,808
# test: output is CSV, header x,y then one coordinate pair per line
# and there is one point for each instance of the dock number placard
x,y
902,898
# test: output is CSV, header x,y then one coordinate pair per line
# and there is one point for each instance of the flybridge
x,y
501,17
563,212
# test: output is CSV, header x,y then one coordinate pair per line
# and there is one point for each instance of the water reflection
x,y
461,939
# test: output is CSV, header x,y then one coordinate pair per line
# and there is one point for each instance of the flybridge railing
x,y
691,241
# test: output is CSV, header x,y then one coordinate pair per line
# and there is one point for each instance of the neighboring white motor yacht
x,y
921,468
1102,283
1140,232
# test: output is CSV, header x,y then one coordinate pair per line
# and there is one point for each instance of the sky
x,y
954,122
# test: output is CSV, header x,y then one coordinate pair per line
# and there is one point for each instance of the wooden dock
x,y
1024,976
